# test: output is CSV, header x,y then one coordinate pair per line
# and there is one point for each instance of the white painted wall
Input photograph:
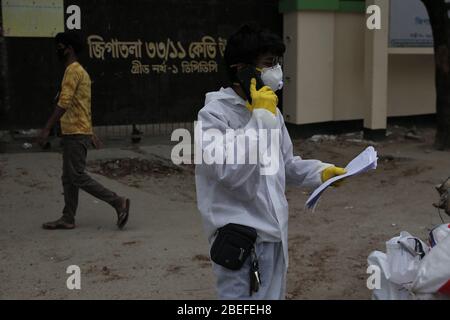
x,y
324,70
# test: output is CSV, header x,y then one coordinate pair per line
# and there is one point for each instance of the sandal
x,y
59,224
122,214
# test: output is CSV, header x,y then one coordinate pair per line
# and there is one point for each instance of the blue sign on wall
x,y
409,24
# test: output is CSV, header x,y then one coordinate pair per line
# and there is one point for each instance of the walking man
x,y
73,110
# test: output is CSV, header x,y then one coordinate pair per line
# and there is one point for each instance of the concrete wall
x,y
411,89
324,69
311,77
348,67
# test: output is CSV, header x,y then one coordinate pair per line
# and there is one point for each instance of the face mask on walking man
x,y
245,212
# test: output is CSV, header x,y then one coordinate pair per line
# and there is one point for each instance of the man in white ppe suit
x,y
240,193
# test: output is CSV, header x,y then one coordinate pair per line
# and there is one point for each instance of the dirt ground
x,y
163,253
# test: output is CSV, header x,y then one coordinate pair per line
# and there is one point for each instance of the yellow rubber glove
x,y
263,98
332,172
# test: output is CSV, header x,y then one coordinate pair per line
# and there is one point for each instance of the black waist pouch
x,y
233,245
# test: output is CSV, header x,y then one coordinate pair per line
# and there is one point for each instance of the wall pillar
x,y
376,75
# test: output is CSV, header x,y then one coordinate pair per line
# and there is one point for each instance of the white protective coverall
x,y
238,193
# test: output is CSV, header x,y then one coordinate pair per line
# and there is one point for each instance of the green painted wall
x,y
323,5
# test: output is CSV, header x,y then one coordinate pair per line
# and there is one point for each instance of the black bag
x,y
233,245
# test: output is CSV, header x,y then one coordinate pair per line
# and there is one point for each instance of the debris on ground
x,y
362,141
27,133
119,168
27,145
413,134
394,134
322,137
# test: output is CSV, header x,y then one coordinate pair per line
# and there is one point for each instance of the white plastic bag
x,y
404,254
388,290
405,276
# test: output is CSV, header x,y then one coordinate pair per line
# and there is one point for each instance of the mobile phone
x,y
245,76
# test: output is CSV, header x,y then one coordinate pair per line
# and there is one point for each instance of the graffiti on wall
x,y
172,57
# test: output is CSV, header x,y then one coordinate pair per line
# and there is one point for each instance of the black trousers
x,y
75,178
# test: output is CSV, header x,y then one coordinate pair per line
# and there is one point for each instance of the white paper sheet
x,y
365,161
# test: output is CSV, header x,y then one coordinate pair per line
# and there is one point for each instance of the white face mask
x,y
273,77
